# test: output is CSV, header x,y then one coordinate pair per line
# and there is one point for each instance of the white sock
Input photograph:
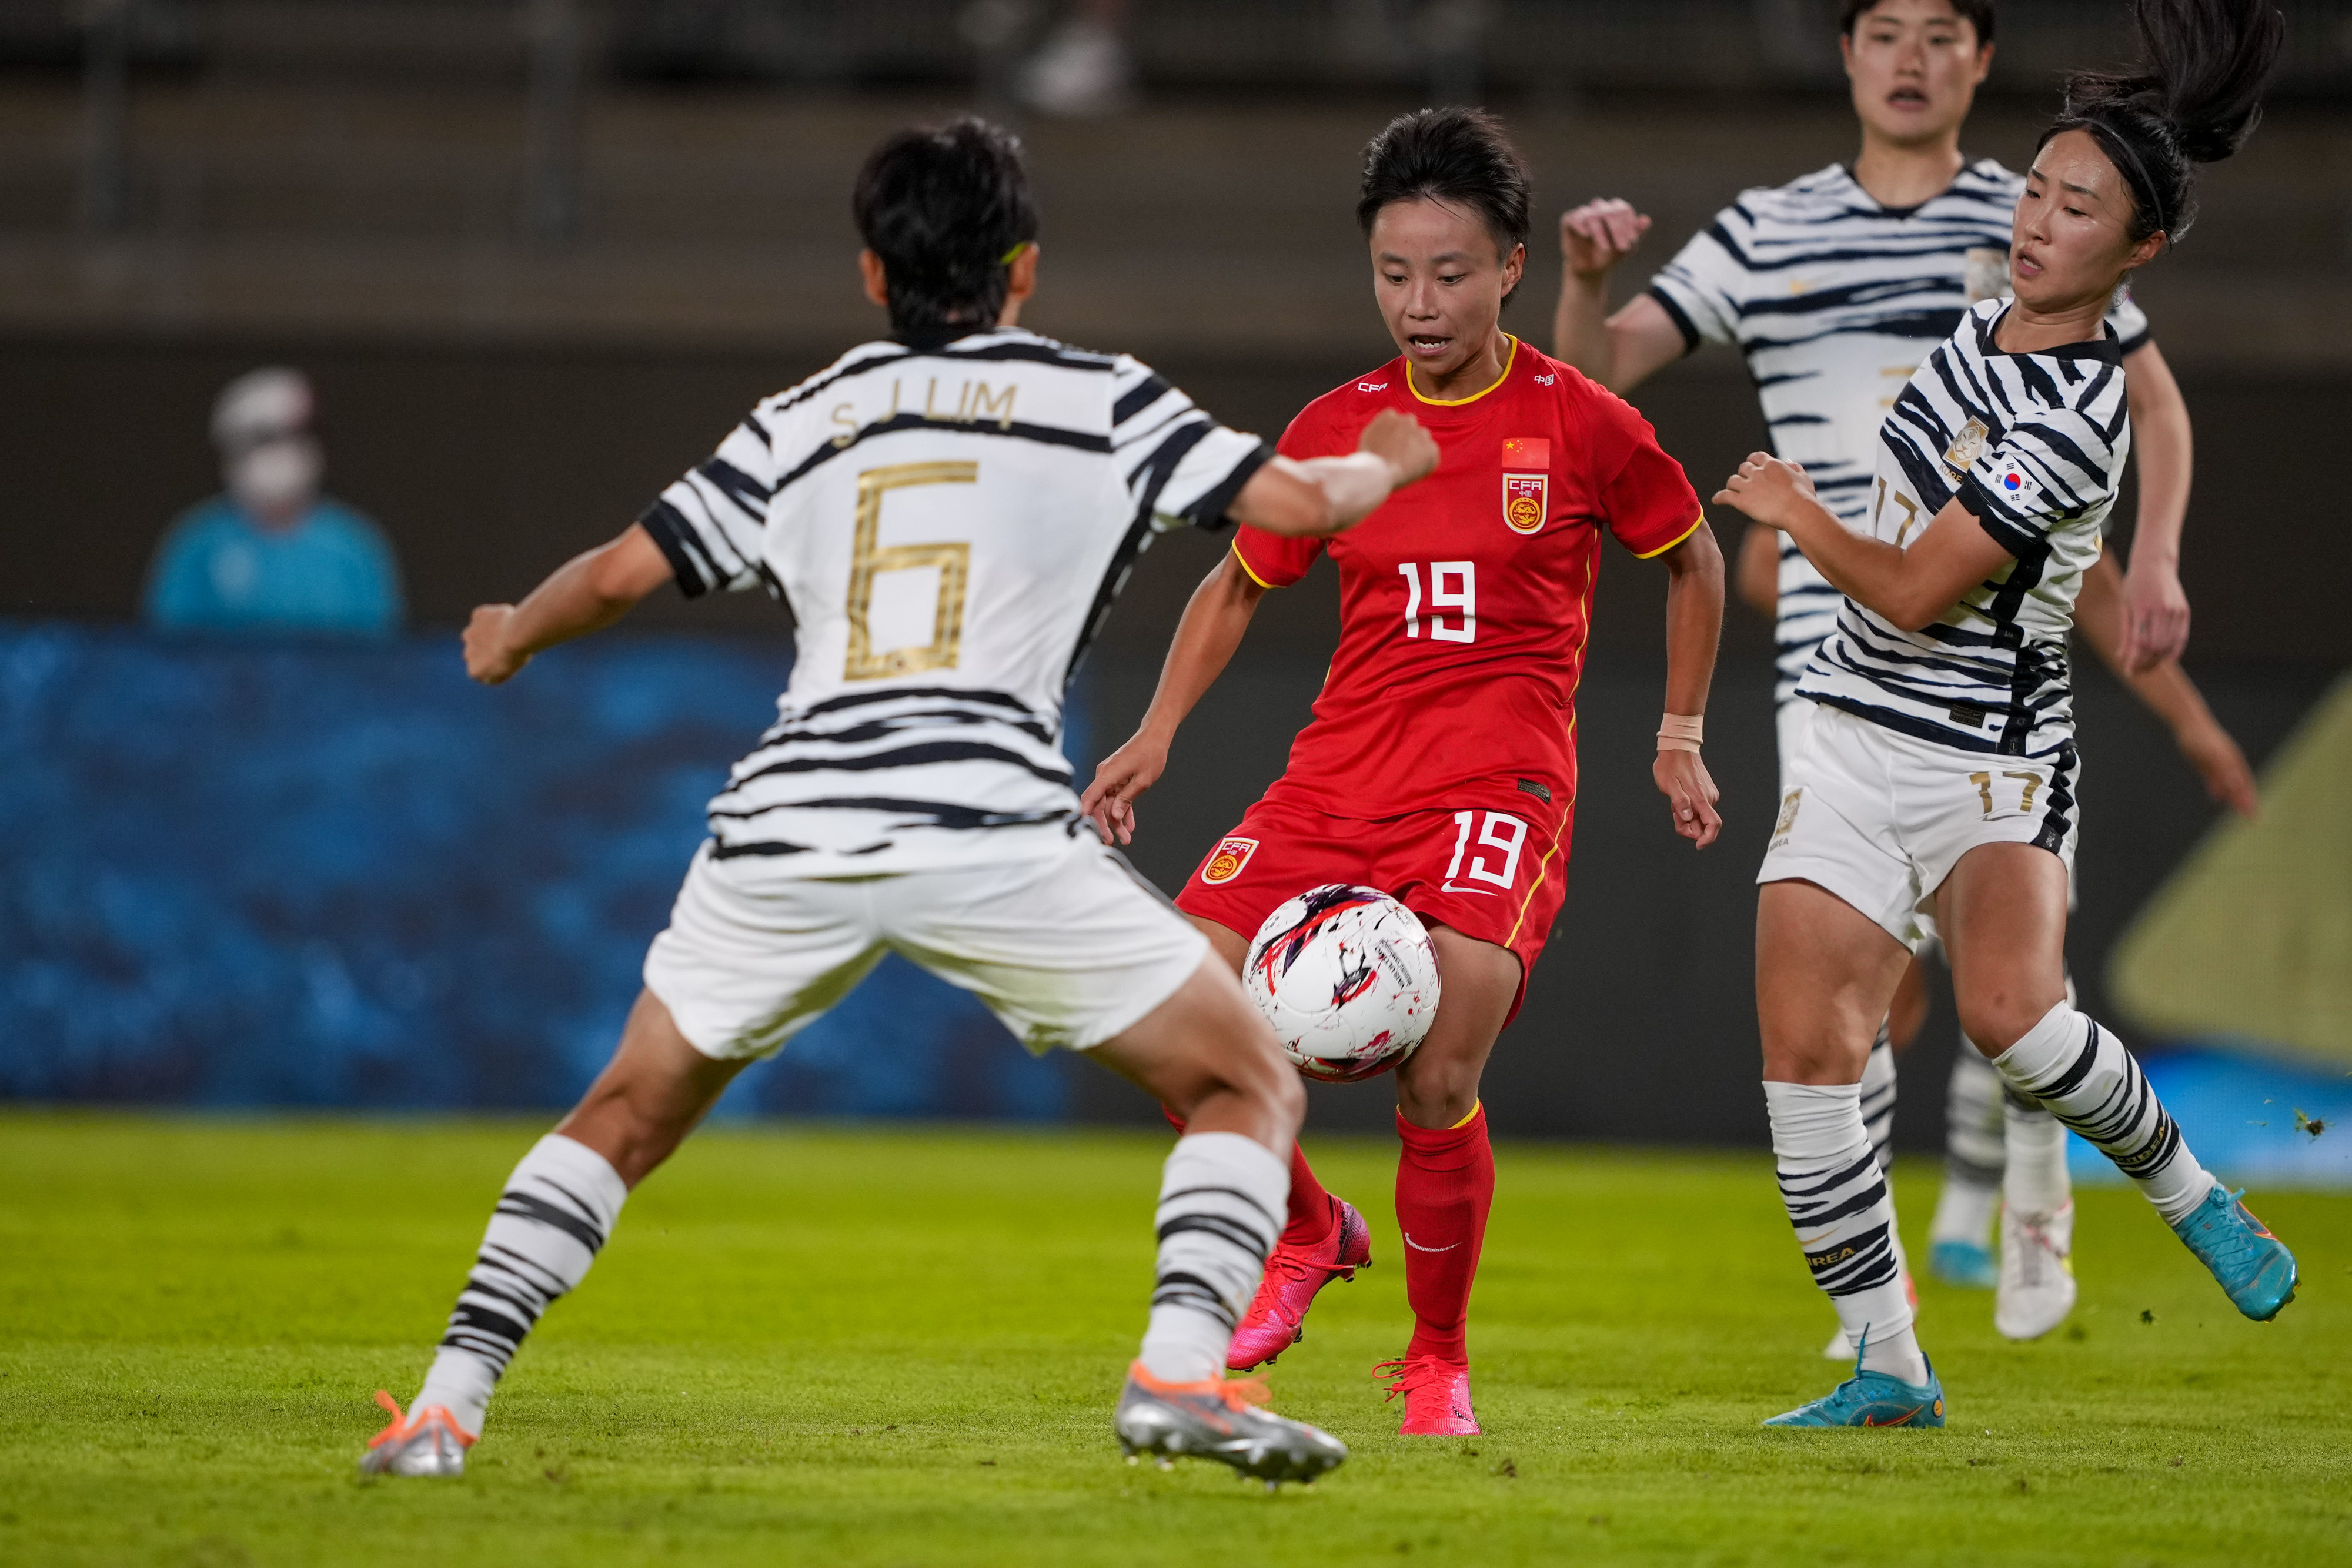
x,y
1974,1156
2083,1075
557,1207
2035,1178
1222,1201
1837,1200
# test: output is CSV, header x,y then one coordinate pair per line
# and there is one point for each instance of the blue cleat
x,y
2250,1264
1872,1399
1964,1263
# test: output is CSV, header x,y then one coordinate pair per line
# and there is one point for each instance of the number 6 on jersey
x,y
868,561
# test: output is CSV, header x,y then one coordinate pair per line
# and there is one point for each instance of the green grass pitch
x,y
837,1346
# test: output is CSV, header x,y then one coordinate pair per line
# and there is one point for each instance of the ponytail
x,y
2195,99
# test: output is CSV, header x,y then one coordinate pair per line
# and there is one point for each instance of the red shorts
x,y
1493,875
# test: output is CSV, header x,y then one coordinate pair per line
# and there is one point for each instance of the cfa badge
x,y
1232,854
1525,495
1967,446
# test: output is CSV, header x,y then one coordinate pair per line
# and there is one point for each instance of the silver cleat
x,y
427,1442
1219,1419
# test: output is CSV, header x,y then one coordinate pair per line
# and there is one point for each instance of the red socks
x,y
1445,1184
1311,1213
1311,1218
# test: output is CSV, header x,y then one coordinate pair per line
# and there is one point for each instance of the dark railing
x,y
1483,45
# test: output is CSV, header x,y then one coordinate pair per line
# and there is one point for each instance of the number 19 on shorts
x,y
1492,856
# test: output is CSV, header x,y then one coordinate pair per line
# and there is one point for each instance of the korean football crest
x,y
1967,446
1224,865
1526,493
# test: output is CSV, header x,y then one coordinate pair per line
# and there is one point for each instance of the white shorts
x,y
1880,818
1789,722
1067,947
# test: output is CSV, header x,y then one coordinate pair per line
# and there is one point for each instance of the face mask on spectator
x,y
275,478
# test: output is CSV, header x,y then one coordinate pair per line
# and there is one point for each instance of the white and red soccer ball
x,y
1348,976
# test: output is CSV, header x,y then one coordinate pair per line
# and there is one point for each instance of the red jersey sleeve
x,y
1649,502
1277,560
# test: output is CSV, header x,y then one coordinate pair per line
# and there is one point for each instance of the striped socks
x,y
1221,1202
1878,1094
1838,1202
1975,1150
1878,1097
2083,1075
2034,1180
549,1224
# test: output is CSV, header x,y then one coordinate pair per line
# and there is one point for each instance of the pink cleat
x,y
1436,1396
1278,1315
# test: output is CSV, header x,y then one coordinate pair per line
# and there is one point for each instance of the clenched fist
x,y
1596,236
1768,488
488,659
1399,440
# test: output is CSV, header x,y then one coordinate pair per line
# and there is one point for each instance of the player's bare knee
x,y
1437,1112
1286,1097
1996,1014
1436,1091
1256,1068
1825,1054
1995,1023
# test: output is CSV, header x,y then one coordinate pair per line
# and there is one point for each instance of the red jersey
x,y
1465,600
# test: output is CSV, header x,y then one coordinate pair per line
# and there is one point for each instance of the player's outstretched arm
x,y
1214,620
1329,495
1909,587
1620,352
2155,625
586,594
1694,623
2167,692
1319,496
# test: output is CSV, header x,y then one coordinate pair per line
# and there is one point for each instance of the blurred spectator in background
x,y
1083,67
271,554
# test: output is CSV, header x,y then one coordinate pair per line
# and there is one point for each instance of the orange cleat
x,y
427,1442
1436,1396
1276,1319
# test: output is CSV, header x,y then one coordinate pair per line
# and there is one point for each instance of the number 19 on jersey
x,y
1453,586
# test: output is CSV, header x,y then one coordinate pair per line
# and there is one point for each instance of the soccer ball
x,y
1348,976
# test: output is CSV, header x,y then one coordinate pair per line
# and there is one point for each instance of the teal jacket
x,y
217,569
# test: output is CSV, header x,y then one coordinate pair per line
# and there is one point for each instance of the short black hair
x,y
947,208
1457,157
1976,14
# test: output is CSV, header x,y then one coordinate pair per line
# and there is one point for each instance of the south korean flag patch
x,y
2016,487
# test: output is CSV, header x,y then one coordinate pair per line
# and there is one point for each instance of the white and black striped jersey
x,y
1835,300
950,524
2034,445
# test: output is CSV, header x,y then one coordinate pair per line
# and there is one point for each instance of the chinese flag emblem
x,y
1526,491
1227,863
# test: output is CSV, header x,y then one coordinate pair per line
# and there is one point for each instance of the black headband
x,y
2131,166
